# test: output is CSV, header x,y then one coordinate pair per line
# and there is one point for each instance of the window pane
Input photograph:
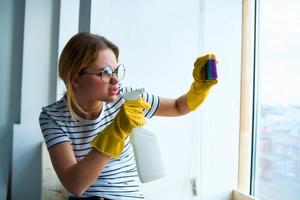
x,y
277,159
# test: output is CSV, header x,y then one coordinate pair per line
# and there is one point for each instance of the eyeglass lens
x,y
107,73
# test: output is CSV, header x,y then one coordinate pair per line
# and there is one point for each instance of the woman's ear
x,y
75,83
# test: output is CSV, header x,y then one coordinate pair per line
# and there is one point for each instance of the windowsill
x,y
236,195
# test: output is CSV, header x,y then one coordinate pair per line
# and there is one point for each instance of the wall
x,y
159,41
11,37
39,61
28,54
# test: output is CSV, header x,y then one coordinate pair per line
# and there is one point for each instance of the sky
x,y
279,52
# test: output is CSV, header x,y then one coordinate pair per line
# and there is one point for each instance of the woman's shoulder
x,y
59,105
56,109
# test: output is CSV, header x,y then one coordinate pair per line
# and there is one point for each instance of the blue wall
x,y
11,40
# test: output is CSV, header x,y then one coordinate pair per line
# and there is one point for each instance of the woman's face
x,y
90,88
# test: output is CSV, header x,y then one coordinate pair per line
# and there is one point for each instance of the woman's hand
x,y
110,141
200,87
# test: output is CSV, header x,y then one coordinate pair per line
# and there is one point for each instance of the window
x,y
276,155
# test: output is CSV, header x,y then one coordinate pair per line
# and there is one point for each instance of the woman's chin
x,y
111,98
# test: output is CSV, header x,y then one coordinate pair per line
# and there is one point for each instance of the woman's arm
x,y
172,107
76,177
194,97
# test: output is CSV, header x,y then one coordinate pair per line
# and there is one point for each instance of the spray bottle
x,y
146,149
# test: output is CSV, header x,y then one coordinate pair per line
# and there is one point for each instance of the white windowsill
x,y
236,195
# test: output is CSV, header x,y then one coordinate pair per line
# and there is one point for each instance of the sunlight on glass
x,y
277,170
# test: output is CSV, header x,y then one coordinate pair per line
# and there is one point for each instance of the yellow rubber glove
x,y
200,87
110,141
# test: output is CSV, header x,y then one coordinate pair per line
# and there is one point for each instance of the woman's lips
x,y
114,90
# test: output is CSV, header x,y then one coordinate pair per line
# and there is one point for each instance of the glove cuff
x,y
197,94
109,142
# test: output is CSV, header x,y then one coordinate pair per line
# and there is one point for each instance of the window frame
x,y
247,105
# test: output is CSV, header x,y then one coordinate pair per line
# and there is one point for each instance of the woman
x,y
86,131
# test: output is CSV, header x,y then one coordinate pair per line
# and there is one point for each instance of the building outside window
x,y
276,160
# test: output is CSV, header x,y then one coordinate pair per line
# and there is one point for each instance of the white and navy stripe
x,y
119,178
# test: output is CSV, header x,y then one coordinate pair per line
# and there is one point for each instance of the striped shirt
x,y
119,178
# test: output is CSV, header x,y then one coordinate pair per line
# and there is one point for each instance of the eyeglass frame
x,y
100,74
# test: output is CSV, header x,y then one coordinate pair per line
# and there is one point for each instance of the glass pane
x,y
277,160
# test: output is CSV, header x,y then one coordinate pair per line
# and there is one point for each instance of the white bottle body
x,y
147,155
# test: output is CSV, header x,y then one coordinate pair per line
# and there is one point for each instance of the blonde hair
x,y
80,51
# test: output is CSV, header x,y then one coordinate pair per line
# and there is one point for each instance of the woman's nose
x,y
114,79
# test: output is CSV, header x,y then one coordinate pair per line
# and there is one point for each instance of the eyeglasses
x,y
107,73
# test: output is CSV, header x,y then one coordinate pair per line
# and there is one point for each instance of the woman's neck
x,y
89,112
